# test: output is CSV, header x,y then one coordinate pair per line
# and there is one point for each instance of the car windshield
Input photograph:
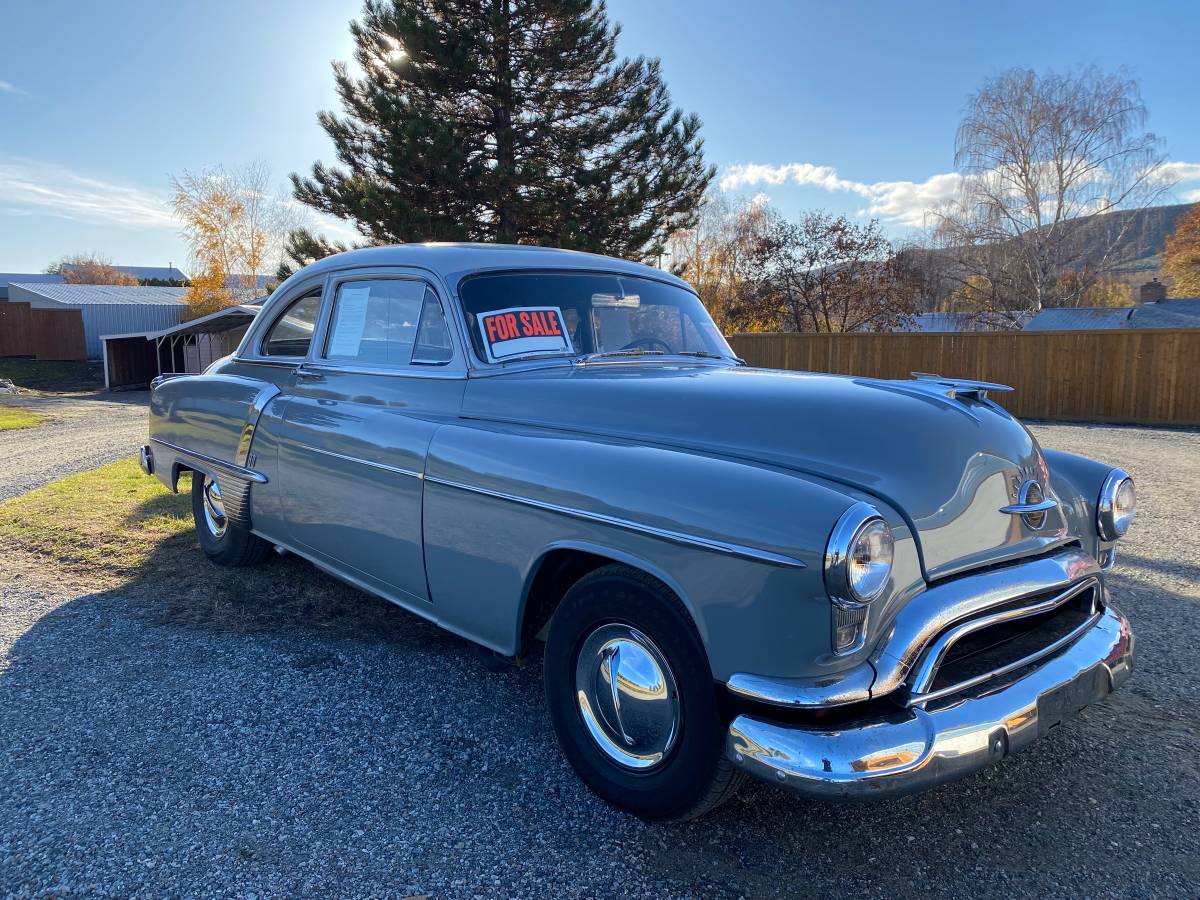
x,y
522,314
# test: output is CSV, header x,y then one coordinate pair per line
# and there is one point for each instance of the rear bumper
x,y
917,748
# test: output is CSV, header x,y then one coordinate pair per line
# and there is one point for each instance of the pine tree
x,y
510,121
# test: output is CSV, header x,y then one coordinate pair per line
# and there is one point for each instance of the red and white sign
x,y
523,329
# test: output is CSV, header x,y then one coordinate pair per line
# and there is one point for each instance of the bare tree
x,y
1036,152
713,256
829,275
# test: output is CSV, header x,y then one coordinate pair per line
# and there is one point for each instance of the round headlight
x,y
1117,506
871,560
858,560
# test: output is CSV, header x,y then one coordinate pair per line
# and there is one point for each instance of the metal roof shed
x,y
106,308
132,360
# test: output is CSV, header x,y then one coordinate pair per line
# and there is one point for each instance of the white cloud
x,y
7,87
51,189
1179,171
1191,196
903,202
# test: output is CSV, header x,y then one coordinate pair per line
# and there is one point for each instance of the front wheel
x,y
224,541
632,698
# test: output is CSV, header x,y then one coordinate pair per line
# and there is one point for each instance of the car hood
x,y
946,463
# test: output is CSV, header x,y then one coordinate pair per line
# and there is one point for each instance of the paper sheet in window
x,y
350,321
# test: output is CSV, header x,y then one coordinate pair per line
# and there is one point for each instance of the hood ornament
x,y
1032,505
963,387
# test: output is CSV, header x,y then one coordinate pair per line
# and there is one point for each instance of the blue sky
x,y
850,107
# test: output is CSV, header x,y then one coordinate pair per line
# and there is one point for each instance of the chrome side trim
x,y
849,686
232,468
363,462
253,414
675,537
925,672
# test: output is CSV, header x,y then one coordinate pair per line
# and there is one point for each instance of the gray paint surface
x,y
723,481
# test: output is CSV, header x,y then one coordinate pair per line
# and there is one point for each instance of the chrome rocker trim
x,y
914,749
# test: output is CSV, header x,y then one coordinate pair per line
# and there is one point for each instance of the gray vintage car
x,y
848,587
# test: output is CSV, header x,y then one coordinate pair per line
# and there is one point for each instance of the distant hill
x,y
1137,258
1140,251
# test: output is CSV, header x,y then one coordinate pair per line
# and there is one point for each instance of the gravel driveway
x,y
81,431
152,759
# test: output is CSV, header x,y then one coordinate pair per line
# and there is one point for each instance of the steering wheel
x,y
648,343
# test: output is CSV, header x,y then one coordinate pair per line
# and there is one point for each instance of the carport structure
x,y
132,360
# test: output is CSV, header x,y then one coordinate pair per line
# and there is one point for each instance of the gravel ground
x,y
138,758
82,431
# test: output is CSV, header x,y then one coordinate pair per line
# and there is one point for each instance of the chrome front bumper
x,y
922,746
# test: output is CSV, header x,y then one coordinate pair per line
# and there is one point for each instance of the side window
x,y
293,331
388,321
433,337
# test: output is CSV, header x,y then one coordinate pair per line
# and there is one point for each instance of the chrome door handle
x,y
303,374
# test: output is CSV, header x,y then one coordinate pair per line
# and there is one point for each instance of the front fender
x,y
1077,481
741,543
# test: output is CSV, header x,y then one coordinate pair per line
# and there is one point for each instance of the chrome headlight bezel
x,y
1112,518
839,579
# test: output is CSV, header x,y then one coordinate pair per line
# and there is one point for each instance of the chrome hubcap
x,y
214,509
627,696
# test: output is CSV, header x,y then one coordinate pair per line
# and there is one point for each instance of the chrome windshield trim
x,y
675,537
396,470
232,468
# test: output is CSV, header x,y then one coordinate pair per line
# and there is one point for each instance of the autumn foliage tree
x,y
827,274
81,268
714,255
235,229
1182,258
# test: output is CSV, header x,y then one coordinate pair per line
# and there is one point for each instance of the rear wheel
x,y
632,699
224,541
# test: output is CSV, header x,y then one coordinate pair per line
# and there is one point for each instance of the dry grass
x,y
13,417
105,522
114,529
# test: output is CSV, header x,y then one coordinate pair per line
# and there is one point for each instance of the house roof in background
x,y
1083,318
1181,313
162,273
961,322
105,294
7,278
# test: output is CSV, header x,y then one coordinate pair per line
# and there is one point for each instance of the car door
x,y
382,375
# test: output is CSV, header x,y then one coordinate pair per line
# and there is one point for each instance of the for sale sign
x,y
521,330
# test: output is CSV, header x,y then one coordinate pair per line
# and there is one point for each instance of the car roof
x,y
455,261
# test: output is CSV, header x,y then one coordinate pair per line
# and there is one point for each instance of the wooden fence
x,y
47,334
1146,376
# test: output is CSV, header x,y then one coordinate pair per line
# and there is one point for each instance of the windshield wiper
x,y
608,354
702,354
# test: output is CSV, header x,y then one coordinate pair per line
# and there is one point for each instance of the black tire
x,y
694,775
236,545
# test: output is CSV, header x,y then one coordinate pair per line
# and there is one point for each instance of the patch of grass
x,y
13,417
115,528
53,377
107,521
